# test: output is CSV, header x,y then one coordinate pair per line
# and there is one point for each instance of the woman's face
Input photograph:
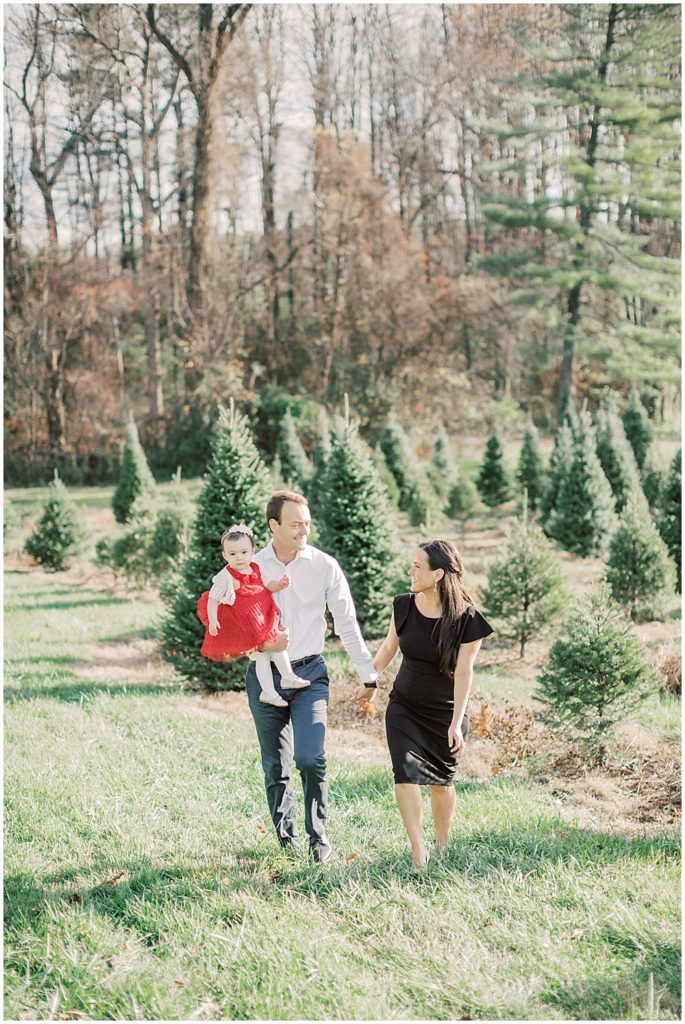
x,y
421,575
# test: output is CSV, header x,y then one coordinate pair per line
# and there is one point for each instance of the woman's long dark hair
x,y
454,598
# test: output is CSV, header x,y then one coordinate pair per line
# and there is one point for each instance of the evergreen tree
x,y
637,427
441,471
612,143
653,477
616,456
493,479
136,480
322,451
559,467
401,459
597,673
357,527
296,469
584,517
530,472
639,571
60,533
669,515
524,592
387,479
463,502
235,490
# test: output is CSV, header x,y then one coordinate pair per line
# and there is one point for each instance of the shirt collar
x,y
306,553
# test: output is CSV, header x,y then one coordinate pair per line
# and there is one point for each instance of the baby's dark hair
x,y
236,531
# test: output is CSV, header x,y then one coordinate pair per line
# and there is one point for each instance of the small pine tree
x,y
357,527
584,517
387,479
401,459
530,472
616,456
236,490
524,592
653,477
423,506
442,467
60,533
568,413
597,673
463,502
493,479
637,427
639,571
559,467
296,469
669,515
136,480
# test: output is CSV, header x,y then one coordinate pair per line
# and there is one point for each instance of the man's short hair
x,y
275,504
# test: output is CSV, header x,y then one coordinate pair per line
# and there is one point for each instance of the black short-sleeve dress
x,y
421,702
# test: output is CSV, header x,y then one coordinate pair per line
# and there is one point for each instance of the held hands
x,y
455,738
364,695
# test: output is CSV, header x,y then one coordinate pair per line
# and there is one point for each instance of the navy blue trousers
x,y
299,730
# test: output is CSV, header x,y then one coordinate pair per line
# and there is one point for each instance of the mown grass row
x,y
143,880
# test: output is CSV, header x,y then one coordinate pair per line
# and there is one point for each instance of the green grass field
x,y
143,881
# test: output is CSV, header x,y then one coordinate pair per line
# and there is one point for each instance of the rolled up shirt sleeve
x,y
222,589
341,606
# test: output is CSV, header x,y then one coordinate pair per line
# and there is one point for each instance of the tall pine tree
x,y
637,427
639,571
236,490
670,514
616,456
295,468
493,480
530,472
136,480
584,518
357,527
652,476
559,468
592,170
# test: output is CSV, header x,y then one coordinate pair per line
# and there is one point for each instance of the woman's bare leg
x,y
410,803
443,803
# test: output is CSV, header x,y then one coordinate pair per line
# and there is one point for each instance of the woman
x,y
439,632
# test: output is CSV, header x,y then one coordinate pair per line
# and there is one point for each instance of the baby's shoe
x,y
293,682
273,698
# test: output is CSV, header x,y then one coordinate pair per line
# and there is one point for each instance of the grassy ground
x,y
143,881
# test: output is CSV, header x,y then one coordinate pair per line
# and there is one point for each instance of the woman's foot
x,y
294,682
420,866
273,698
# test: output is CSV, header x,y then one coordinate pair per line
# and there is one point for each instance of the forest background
x,y
459,213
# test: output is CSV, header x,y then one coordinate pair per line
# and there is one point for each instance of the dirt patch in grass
x,y
135,663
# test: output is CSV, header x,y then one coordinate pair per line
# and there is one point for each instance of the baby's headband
x,y
239,528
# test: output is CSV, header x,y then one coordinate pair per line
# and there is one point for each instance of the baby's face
x,y
238,553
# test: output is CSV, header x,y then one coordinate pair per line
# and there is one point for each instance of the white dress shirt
x,y
316,582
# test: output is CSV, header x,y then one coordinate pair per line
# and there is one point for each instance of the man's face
x,y
292,531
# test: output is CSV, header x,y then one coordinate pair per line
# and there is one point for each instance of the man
x,y
316,582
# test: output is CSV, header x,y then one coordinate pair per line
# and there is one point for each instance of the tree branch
x,y
178,57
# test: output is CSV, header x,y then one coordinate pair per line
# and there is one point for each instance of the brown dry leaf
x,y
71,1014
577,933
114,880
112,961
180,982
483,720
260,828
351,856
488,922
207,1007
495,769
369,709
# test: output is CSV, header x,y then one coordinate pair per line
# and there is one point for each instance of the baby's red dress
x,y
252,619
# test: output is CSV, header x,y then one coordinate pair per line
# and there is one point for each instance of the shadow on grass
x,y
625,995
62,685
